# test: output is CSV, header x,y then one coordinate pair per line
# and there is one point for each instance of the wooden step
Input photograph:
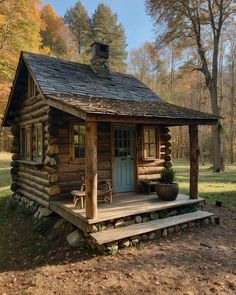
x,y
116,234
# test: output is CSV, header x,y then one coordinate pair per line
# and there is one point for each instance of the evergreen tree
x,y
79,24
53,31
106,29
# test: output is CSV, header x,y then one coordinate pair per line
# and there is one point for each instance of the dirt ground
x,y
197,261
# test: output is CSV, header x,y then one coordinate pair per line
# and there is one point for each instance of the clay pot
x,y
167,191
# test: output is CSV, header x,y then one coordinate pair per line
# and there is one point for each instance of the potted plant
x,y
167,189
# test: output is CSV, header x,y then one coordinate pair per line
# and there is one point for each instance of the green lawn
x,y
5,177
212,186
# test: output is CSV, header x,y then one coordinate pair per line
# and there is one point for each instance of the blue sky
x,y
131,13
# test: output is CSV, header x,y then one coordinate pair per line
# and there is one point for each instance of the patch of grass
x,y
212,186
5,177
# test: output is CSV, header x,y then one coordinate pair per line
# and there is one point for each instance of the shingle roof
x,y
77,86
115,107
65,77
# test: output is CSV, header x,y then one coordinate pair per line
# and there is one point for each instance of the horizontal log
x,y
31,190
104,174
151,164
31,114
53,190
167,151
149,170
104,165
52,150
72,167
36,179
149,177
69,176
31,196
50,170
64,159
52,178
35,172
32,184
42,119
50,161
50,140
32,100
36,105
64,149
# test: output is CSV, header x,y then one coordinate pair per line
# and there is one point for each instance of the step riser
x,y
141,218
112,247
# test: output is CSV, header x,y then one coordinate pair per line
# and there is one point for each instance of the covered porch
x,y
124,205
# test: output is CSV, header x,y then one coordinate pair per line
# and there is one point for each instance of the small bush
x,y
167,175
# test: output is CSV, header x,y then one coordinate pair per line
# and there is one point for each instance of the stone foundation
x,y
129,220
112,248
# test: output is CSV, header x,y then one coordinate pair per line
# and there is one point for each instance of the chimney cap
x,y
100,50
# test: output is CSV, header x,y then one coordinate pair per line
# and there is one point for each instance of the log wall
x,y
30,178
59,173
69,171
148,170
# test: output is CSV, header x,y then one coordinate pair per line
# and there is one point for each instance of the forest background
x,y
179,66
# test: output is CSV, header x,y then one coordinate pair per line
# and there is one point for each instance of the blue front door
x,y
124,159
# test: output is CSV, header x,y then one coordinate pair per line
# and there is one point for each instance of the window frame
x,y
72,143
36,157
157,139
24,156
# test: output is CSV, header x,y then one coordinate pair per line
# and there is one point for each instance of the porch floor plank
x,y
116,234
126,204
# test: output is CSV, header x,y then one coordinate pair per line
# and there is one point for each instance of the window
x,y
38,132
150,143
78,140
31,87
26,141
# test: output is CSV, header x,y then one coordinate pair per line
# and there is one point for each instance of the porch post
x,y
194,163
91,169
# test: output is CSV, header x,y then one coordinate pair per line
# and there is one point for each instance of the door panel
x,y
124,159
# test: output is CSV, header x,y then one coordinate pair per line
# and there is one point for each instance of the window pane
x,y
22,143
146,135
149,143
27,143
152,136
39,143
79,141
152,150
146,152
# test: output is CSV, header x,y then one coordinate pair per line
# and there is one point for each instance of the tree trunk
x,y
217,130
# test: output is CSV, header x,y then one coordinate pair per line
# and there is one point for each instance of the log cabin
x,y
70,119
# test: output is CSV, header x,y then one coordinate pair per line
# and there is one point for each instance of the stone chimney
x,y
100,59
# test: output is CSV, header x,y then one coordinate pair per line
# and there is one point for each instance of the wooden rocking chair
x,y
104,192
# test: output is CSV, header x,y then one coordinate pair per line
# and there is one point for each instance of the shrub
x,y
167,175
